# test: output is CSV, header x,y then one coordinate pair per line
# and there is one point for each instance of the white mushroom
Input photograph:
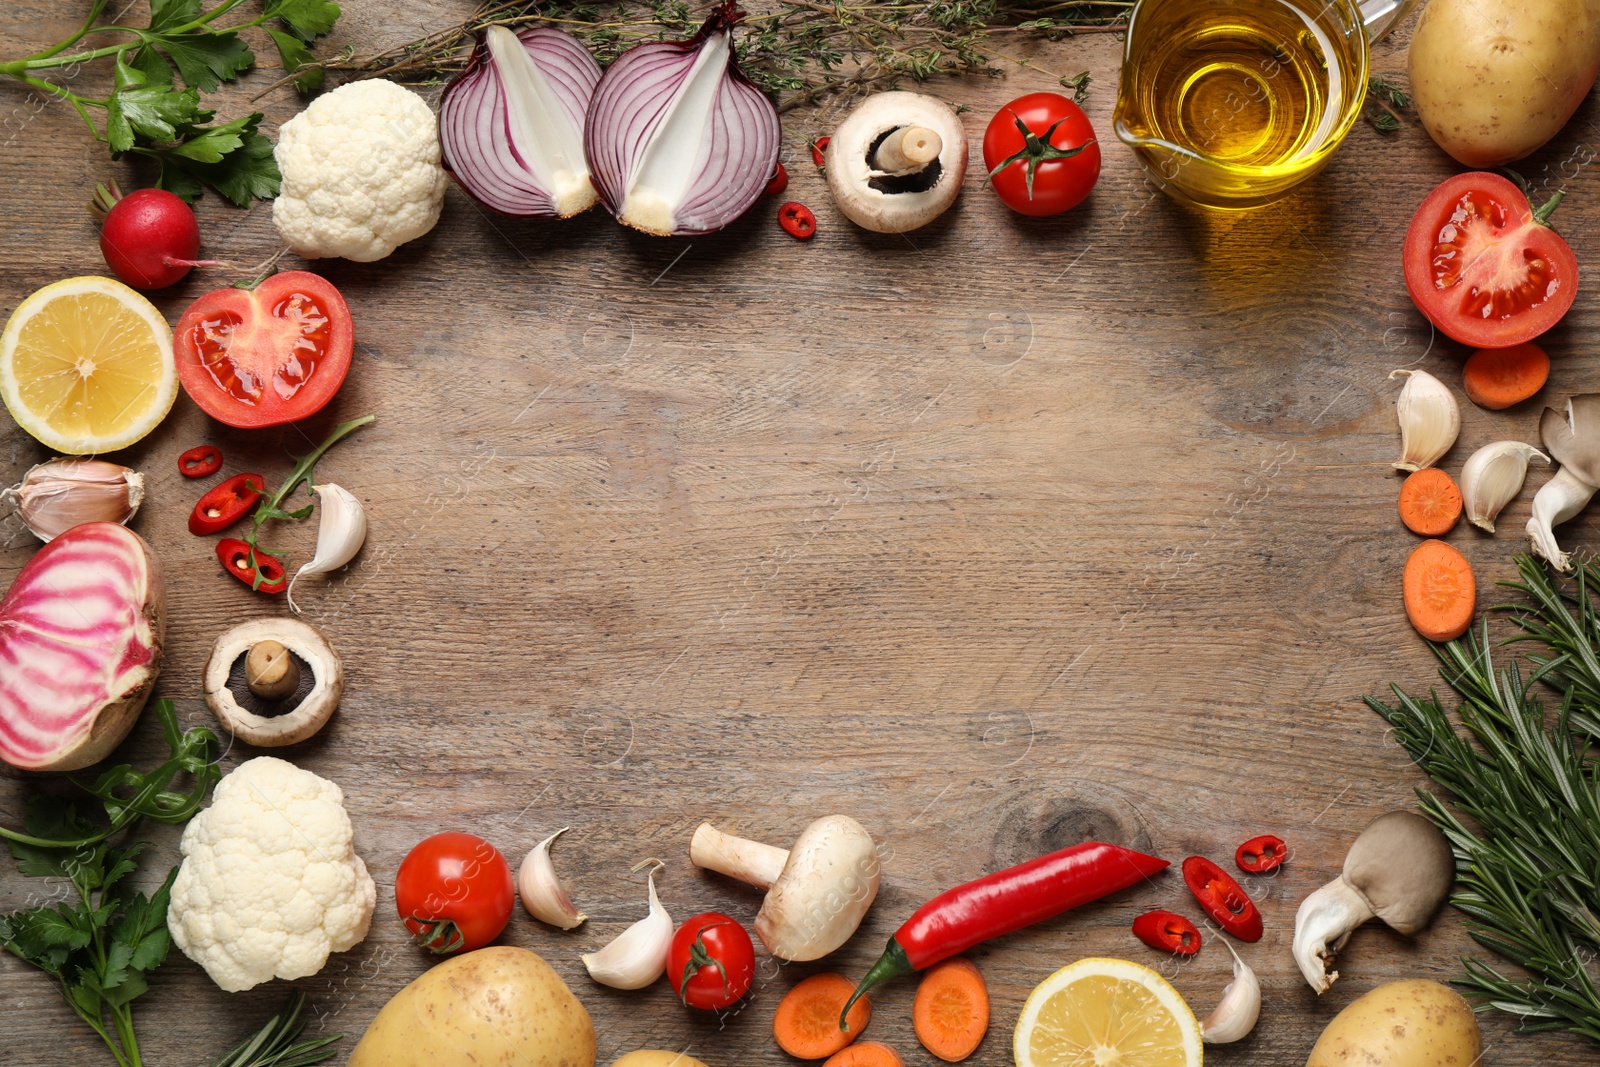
x,y
1399,870
273,682
897,161
817,892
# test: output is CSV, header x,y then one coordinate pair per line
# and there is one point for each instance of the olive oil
x,y
1233,101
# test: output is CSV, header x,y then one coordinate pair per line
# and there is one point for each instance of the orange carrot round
x,y
806,1024
1430,502
951,1012
866,1054
1496,378
1440,591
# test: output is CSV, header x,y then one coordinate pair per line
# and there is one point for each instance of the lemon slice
x,y
86,366
1106,1013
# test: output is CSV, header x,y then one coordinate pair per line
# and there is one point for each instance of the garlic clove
x,y
341,531
1559,499
1236,1013
59,494
1429,420
541,891
1492,477
638,955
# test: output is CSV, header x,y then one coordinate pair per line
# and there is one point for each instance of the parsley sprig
x,y
150,115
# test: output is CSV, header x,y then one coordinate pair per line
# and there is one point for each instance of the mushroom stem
x,y
1322,926
907,149
270,671
749,861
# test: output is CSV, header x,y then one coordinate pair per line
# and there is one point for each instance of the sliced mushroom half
x,y
273,682
897,161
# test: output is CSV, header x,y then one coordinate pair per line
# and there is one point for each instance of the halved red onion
x,y
679,140
511,124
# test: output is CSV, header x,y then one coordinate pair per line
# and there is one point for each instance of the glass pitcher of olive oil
x,y
1231,103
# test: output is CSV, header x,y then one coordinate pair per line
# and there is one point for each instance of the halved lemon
x,y
1106,1013
86,366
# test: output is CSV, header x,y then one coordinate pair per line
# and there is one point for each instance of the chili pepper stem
x,y
892,964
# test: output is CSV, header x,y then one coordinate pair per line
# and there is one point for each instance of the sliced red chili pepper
x,y
1228,905
234,556
797,221
819,146
1167,931
200,461
777,183
1261,854
225,504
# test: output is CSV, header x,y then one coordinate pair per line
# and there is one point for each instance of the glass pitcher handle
x,y
1381,16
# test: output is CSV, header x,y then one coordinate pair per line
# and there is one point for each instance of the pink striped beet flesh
x,y
81,631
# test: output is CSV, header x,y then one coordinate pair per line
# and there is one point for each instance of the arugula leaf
x,y
296,55
306,19
205,59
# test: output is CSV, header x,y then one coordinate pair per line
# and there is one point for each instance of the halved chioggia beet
x,y
511,123
81,631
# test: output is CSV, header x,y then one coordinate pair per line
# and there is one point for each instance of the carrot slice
x,y
951,1012
1430,502
1496,378
866,1054
1440,591
807,1021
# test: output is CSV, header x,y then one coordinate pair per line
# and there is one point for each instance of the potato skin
x,y
496,1007
654,1057
1415,1023
1493,80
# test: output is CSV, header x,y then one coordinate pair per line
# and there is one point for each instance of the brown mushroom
x,y
273,682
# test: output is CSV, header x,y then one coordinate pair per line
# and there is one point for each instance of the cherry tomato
x,y
777,183
1042,154
1227,904
712,962
266,356
1485,267
797,221
264,575
454,892
200,461
1167,931
818,147
225,504
1261,854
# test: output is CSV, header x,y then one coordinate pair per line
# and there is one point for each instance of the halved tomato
x,y
1484,266
265,356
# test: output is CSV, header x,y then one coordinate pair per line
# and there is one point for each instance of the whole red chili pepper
x,y
225,504
1167,931
1000,903
1261,854
1228,905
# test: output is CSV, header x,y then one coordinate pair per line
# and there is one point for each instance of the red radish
x,y
149,237
81,632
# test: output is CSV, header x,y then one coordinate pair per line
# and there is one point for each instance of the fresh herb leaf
x,y
1388,92
306,19
154,67
205,59
1079,84
296,56
234,159
171,14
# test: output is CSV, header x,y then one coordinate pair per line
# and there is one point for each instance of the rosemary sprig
x,y
277,1043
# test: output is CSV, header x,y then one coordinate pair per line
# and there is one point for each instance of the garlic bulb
x,y
541,890
1429,420
1557,500
341,531
638,956
1492,478
59,494
1240,1007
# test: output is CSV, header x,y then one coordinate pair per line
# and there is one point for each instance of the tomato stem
x,y
1036,150
1542,213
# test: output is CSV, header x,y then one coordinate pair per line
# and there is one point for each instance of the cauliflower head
x,y
270,882
361,173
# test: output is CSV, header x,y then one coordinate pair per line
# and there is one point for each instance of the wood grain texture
x,y
998,536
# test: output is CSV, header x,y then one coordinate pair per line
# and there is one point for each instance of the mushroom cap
x,y
1573,437
1403,867
307,717
868,196
827,885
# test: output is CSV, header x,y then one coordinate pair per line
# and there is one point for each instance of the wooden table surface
x,y
998,537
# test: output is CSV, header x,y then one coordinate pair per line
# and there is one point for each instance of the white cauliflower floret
x,y
361,173
270,882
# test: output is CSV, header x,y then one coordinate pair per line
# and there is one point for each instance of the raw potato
x,y
654,1057
1402,1024
1493,80
496,1007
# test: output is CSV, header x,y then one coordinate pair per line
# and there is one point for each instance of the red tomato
x,y
265,575
265,356
1484,267
454,892
712,962
1041,154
